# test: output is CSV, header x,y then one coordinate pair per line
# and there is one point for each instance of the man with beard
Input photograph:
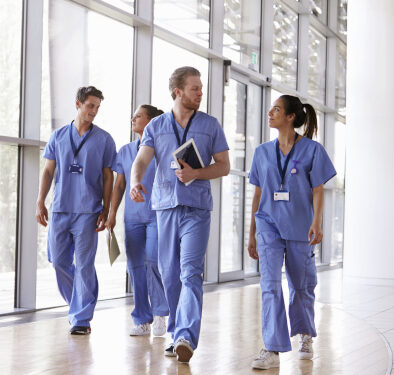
x,y
183,212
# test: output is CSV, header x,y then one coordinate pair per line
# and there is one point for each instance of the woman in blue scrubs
x,y
289,174
150,304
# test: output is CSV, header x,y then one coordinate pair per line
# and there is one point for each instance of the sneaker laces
x,y
305,343
264,353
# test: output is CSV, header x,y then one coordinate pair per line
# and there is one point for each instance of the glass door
x,y
242,126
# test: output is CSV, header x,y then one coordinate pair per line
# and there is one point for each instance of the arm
x,y
315,229
117,195
252,246
108,181
221,167
141,163
46,181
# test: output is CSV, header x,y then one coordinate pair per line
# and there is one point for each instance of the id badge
x,y
75,168
281,196
173,165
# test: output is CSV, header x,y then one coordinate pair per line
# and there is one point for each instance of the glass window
x,y
162,69
342,17
242,29
253,139
73,31
91,35
339,153
319,9
232,222
10,66
187,18
317,65
127,5
337,225
8,209
340,85
284,53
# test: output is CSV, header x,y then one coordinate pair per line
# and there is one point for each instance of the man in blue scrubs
x,y
183,212
82,154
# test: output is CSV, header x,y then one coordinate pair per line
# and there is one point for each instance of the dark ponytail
x,y
151,111
305,117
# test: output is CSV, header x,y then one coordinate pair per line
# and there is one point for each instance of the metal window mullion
x,y
215,108
29,156
303,55
267,35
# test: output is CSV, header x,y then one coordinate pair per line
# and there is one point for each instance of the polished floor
x,y
354,325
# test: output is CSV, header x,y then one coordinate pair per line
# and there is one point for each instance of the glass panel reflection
x,y
319,9
231,230
71,30
284,53
127,5
340,82
10,66
242,29
317,65
8,209
342,17
337,226
187,18
163,68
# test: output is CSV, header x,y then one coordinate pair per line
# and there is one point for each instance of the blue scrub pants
x,y
183,239
301,277
141,251
72,235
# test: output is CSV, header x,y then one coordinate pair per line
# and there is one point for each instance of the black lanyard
x,y
186,129
76,150
282,171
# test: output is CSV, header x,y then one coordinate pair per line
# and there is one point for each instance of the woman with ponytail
x,y
150,305
288,174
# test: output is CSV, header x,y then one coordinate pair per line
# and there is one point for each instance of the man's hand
x,y
135,193
316,232
187,173
252,248
42,214
100,225
111,222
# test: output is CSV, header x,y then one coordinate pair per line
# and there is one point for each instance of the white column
x,y
369,230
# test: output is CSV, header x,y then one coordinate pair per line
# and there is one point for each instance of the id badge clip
x,y
173,165
75,168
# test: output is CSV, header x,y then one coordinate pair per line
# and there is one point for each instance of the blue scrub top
x,y
80,192
292,218
168,191
135,212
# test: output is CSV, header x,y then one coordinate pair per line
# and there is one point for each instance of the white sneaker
x,y
305,351
169,351
159,325
266,360
140,330
183,350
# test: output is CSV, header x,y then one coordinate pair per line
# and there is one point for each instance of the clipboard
x,y
113,247
188,152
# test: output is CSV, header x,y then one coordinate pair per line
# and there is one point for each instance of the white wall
x,y
369,223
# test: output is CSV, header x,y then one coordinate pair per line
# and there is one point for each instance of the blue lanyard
x,y
282,171
76,150
186,129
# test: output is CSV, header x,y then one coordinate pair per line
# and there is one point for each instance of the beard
x,y
189,104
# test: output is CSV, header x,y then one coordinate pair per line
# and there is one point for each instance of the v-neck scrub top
x,y
292,218
135,212
168,191
80,192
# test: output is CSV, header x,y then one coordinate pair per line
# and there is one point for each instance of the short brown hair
x,y
84,92
178,78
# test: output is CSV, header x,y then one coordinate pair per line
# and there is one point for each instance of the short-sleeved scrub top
x,y
80,192
135,212
168,191
292,218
